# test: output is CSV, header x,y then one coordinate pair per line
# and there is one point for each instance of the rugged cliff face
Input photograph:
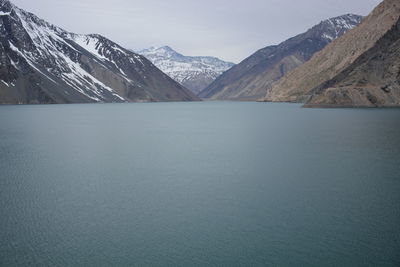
x,y
42,63
373,80
348,62
250,79
195,73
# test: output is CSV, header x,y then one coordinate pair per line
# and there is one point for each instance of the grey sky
x,y
229,29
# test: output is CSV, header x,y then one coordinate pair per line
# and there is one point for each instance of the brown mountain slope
x,y
298,85
373,80
250,79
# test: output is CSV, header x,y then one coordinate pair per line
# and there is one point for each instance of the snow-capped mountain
x,y
333,28
42,63
195,73
250,79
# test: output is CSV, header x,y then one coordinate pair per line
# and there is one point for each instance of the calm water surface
x,y
199,184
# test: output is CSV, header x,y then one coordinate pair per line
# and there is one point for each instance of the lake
x,y
199,184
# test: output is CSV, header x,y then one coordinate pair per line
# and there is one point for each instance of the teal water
x,y
199,184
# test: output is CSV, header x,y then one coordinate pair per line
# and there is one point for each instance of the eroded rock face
x,y
373,80
251,79
351,70
42,63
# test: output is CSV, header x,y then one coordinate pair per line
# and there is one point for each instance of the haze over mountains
x,y
250,79
195,73
339,62
42,63
360,69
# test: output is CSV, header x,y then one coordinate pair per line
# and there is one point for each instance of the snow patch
x,y
182,68
90,44
13,47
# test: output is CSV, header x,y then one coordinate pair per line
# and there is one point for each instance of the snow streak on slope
x,y
51,65
50,42
336,27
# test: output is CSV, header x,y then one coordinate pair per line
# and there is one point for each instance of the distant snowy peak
x,y
348,21
164,51
168,56
195,73
333,28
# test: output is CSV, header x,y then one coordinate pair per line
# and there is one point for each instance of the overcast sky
x,y
229,29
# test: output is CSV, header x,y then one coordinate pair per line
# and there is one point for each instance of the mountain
x,y
195,73
42,63
250,79
373,80
359,69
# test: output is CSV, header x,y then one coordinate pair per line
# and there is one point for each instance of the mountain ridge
x,y
193,72
372,80
43,63
250,79
300,84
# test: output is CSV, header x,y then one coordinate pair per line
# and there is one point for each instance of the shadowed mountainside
x,y
42,63
250,79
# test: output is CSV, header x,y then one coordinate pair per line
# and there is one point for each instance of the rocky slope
x,y
358,69
373,80
42,63
250,79
195,73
